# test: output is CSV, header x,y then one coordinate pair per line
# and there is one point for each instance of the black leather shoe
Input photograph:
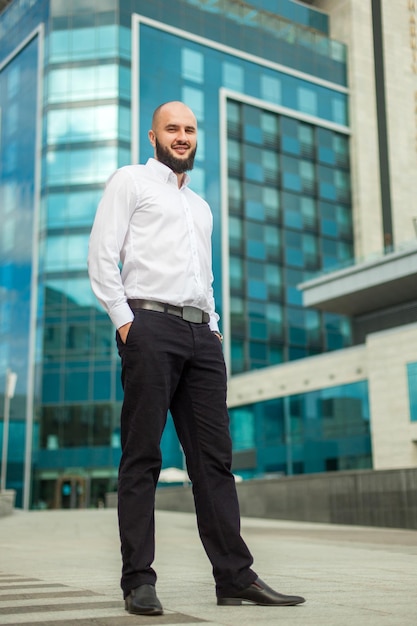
x,y
143,601
259,593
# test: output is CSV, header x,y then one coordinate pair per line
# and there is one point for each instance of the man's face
x,y
174,137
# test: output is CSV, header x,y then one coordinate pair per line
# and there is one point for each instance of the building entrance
x,y
74,490
70,492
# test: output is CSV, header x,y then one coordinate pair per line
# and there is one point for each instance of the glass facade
x,y
288,197
86,136
288,184
318,431
18,122
296,12
284,36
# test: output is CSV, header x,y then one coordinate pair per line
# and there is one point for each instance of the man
x,y
162,304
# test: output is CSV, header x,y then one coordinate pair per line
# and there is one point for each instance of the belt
x,y
187,313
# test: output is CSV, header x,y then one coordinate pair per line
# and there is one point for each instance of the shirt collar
x,y
165,173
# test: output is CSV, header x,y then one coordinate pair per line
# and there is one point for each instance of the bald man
x,y
161,303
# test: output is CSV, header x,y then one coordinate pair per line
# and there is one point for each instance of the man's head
x,y
174,136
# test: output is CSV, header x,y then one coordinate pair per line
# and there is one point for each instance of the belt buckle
x,y
192,314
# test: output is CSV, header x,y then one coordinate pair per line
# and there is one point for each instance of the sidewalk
x,y
61,568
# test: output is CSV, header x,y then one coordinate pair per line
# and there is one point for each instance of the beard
x,y
179,166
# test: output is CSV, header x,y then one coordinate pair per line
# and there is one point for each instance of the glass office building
x,y
78,84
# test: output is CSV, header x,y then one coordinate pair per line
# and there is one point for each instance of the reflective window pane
x,y
192,65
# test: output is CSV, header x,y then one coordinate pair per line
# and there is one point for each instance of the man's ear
x,y
151,136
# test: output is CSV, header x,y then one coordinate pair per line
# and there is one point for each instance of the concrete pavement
x,y
61,568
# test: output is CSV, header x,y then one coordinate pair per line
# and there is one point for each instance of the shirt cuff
x,y
121,315
213,324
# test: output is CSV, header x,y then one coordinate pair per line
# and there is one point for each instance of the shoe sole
x,y
239,602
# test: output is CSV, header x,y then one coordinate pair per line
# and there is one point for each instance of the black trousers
x,y
168,363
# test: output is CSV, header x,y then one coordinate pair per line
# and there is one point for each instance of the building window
x,y
412,390
192,65
271,89
307,101
93,165
232,76
89,43
318,431
83,83
194,98
86,124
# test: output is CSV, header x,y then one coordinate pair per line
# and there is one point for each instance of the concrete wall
x,y
400,59
351,23
385,498
340,367
394,436
7,500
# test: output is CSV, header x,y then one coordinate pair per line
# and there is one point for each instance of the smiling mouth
x,y
181,148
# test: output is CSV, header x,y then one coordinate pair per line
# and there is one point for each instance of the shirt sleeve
x,y
214,317
107,238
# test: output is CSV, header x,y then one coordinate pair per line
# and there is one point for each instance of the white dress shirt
x,y
161,236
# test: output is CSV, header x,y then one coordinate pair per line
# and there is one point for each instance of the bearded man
x,y
161,303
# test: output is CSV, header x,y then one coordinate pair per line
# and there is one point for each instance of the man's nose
x,y
182,135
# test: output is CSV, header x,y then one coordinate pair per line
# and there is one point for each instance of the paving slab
x,y
62,568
